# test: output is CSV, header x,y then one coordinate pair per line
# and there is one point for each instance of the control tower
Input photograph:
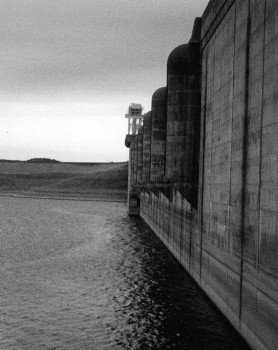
x,y
135,118
135,122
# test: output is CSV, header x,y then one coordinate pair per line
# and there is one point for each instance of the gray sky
x,y
70,68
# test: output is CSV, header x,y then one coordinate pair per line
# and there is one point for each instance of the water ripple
x,y
83,275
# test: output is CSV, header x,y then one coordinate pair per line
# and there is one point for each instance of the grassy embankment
x,y
105,181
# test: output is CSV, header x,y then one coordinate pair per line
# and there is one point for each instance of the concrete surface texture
x,y
216,207
146,147
140,154
183,110
158,134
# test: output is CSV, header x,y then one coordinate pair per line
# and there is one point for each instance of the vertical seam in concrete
x,y
244,154
129,176
181,226
142,153
190,247
151,123
166,124
203,166
216,17
136,177
211,146
136,165
261,148
231,153
261,129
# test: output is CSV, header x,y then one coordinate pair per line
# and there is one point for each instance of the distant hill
x,y
9,161
95,181
42,160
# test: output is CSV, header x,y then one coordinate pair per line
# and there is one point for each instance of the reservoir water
x,y
83,275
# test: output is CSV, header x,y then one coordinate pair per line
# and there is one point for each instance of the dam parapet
x,y
204,166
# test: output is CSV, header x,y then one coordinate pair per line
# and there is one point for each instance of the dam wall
x,y
213,196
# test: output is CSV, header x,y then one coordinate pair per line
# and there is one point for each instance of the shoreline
x,y
61,198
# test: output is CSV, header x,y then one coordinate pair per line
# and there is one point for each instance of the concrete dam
x,y
203,166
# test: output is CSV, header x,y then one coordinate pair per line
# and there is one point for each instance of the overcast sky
x,y
70,68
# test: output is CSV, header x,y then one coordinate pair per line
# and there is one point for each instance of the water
x,y
83,275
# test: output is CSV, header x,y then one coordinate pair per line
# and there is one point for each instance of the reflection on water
x,y
83,275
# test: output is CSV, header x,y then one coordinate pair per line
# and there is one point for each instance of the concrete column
x,y
135,158
158,134
183,115
146,147
140,154
132,196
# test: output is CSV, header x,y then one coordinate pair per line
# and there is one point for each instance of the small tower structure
x,y
135,118
135,122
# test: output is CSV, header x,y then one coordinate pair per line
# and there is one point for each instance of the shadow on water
x,y
80,275
159,306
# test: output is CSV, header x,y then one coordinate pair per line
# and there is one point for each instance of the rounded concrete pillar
x,y
158,134
135,159
147,126
139,154
132,162
183,116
